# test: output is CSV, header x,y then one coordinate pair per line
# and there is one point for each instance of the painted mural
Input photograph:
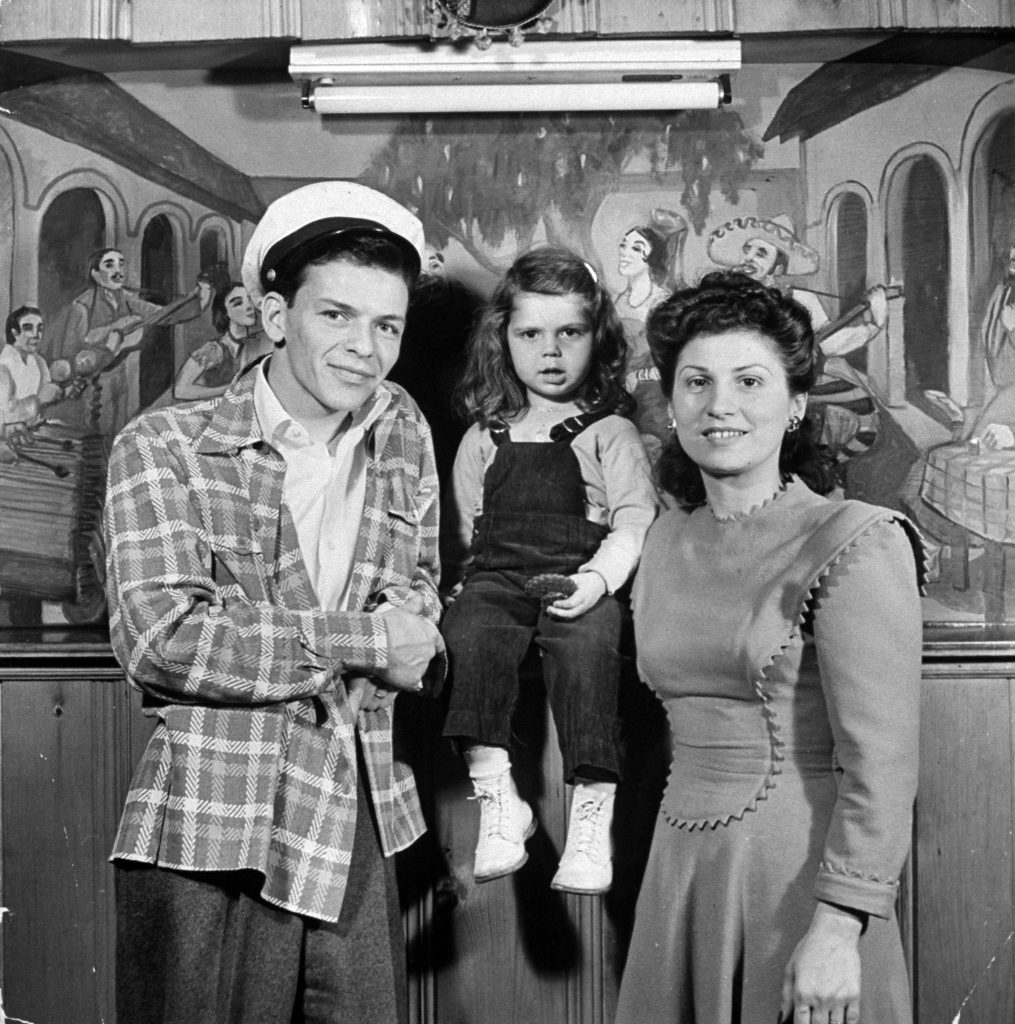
x,y
889,214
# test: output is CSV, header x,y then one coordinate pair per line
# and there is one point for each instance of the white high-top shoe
x,y
505,822
587,864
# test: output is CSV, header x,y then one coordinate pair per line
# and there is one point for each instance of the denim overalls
x,y
534,521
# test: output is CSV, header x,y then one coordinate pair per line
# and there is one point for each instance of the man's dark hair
x,y
95,258
364,248
13,324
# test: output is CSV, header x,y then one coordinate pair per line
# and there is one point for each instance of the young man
x,y
107,319
272,584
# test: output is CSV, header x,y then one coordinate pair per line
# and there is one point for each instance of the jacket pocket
x,y
238,570
403,522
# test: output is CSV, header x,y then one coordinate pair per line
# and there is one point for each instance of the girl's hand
x,y
822,980
589,588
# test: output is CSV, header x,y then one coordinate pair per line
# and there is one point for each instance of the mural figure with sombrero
x,y
768,249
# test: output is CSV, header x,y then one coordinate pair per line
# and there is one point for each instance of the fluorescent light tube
x,y
478,99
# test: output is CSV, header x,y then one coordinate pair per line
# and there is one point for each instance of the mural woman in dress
x,y
647,258
217,363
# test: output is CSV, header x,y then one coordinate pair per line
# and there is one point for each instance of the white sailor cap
x,y
326,208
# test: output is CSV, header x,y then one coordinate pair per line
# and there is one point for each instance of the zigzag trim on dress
x,y
776,744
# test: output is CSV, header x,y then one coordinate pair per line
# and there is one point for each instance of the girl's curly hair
x,y
490,388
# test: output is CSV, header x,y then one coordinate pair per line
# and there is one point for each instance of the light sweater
x,y
619,494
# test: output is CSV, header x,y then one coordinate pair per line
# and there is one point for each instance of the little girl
x,y
550,479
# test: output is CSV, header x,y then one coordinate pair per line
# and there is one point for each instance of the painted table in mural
x,y
975,491
51,495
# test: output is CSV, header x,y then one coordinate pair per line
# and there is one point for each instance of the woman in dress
x,y
216,364
643,259
782,632
647,259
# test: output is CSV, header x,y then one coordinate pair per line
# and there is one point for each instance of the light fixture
x,y
542,75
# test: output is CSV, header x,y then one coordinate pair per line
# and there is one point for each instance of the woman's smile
x,y
731,406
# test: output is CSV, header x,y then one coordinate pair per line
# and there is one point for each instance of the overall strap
x,y
499,432
570,428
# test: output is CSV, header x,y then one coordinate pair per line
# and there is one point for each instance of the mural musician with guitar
x,y
101,337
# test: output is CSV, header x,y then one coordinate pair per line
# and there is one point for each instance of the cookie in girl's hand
x,y
549,587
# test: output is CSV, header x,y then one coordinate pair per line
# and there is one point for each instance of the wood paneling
x,y
959,14
513,950
510,951
656,16
23,20
965,956
69,743
164,21
59,811
158,21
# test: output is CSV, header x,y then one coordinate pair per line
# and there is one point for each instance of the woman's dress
x,y
785,645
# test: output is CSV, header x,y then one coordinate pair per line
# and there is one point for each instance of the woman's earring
x,y
794,425
671,425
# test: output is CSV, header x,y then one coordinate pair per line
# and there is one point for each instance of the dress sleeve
x,y
868,636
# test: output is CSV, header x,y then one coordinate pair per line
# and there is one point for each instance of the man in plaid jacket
x,y
272,579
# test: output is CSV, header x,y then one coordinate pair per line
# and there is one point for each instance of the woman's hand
x,y
822,980
589,588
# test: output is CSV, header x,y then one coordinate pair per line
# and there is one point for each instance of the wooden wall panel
x,y
507,950
965,957
60,807
162,21
363,19
24,20
513,950
159,21
814,15
655,16
960,14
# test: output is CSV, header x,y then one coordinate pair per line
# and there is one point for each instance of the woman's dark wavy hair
x,y
658,255
490,389
219,316
726,301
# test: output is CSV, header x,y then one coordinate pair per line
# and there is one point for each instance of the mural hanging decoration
x,y
481,180
482,19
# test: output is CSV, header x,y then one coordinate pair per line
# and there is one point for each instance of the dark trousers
x,y
488,631
204,948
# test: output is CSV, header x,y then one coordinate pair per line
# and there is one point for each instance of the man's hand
x,y
589,588
412,642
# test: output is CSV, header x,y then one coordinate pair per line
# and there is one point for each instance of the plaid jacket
x,y
253,762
